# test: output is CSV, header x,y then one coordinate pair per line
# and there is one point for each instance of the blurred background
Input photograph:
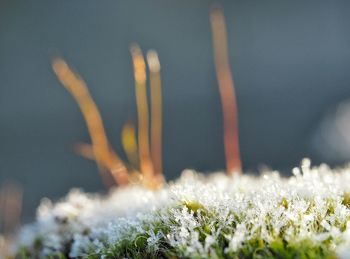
x,y
290,62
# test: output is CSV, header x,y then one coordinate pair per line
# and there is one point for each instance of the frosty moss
x,y
305,216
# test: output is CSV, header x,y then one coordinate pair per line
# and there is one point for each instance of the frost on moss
x,y
304,216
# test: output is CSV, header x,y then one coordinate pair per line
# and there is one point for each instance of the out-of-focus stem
x,y
101,149
129,143
156,108
146,166
87,151
11,196
227,92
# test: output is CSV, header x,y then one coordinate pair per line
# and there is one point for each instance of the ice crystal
x,y
200,216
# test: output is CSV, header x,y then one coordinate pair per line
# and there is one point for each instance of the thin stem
x,y
105,158
146,165
156,108
129,143
227,92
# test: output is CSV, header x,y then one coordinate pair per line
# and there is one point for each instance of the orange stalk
x,y
227,91
85,150
11,197
139,66
102,153
156,109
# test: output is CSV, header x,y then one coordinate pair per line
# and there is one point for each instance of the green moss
x,y
195,207
284,203
254,248
346,199
136,245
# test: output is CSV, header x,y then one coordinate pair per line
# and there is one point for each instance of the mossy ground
x,y
303,217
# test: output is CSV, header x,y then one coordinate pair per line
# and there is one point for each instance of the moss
x,y
195,207
284,203
262,225
346,199
252,248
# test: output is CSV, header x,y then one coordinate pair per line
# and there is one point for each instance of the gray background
x,y
290,60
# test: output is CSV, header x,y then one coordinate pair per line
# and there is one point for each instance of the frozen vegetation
x,y
216,216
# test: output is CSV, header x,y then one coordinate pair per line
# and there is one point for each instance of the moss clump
x,y
306,216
